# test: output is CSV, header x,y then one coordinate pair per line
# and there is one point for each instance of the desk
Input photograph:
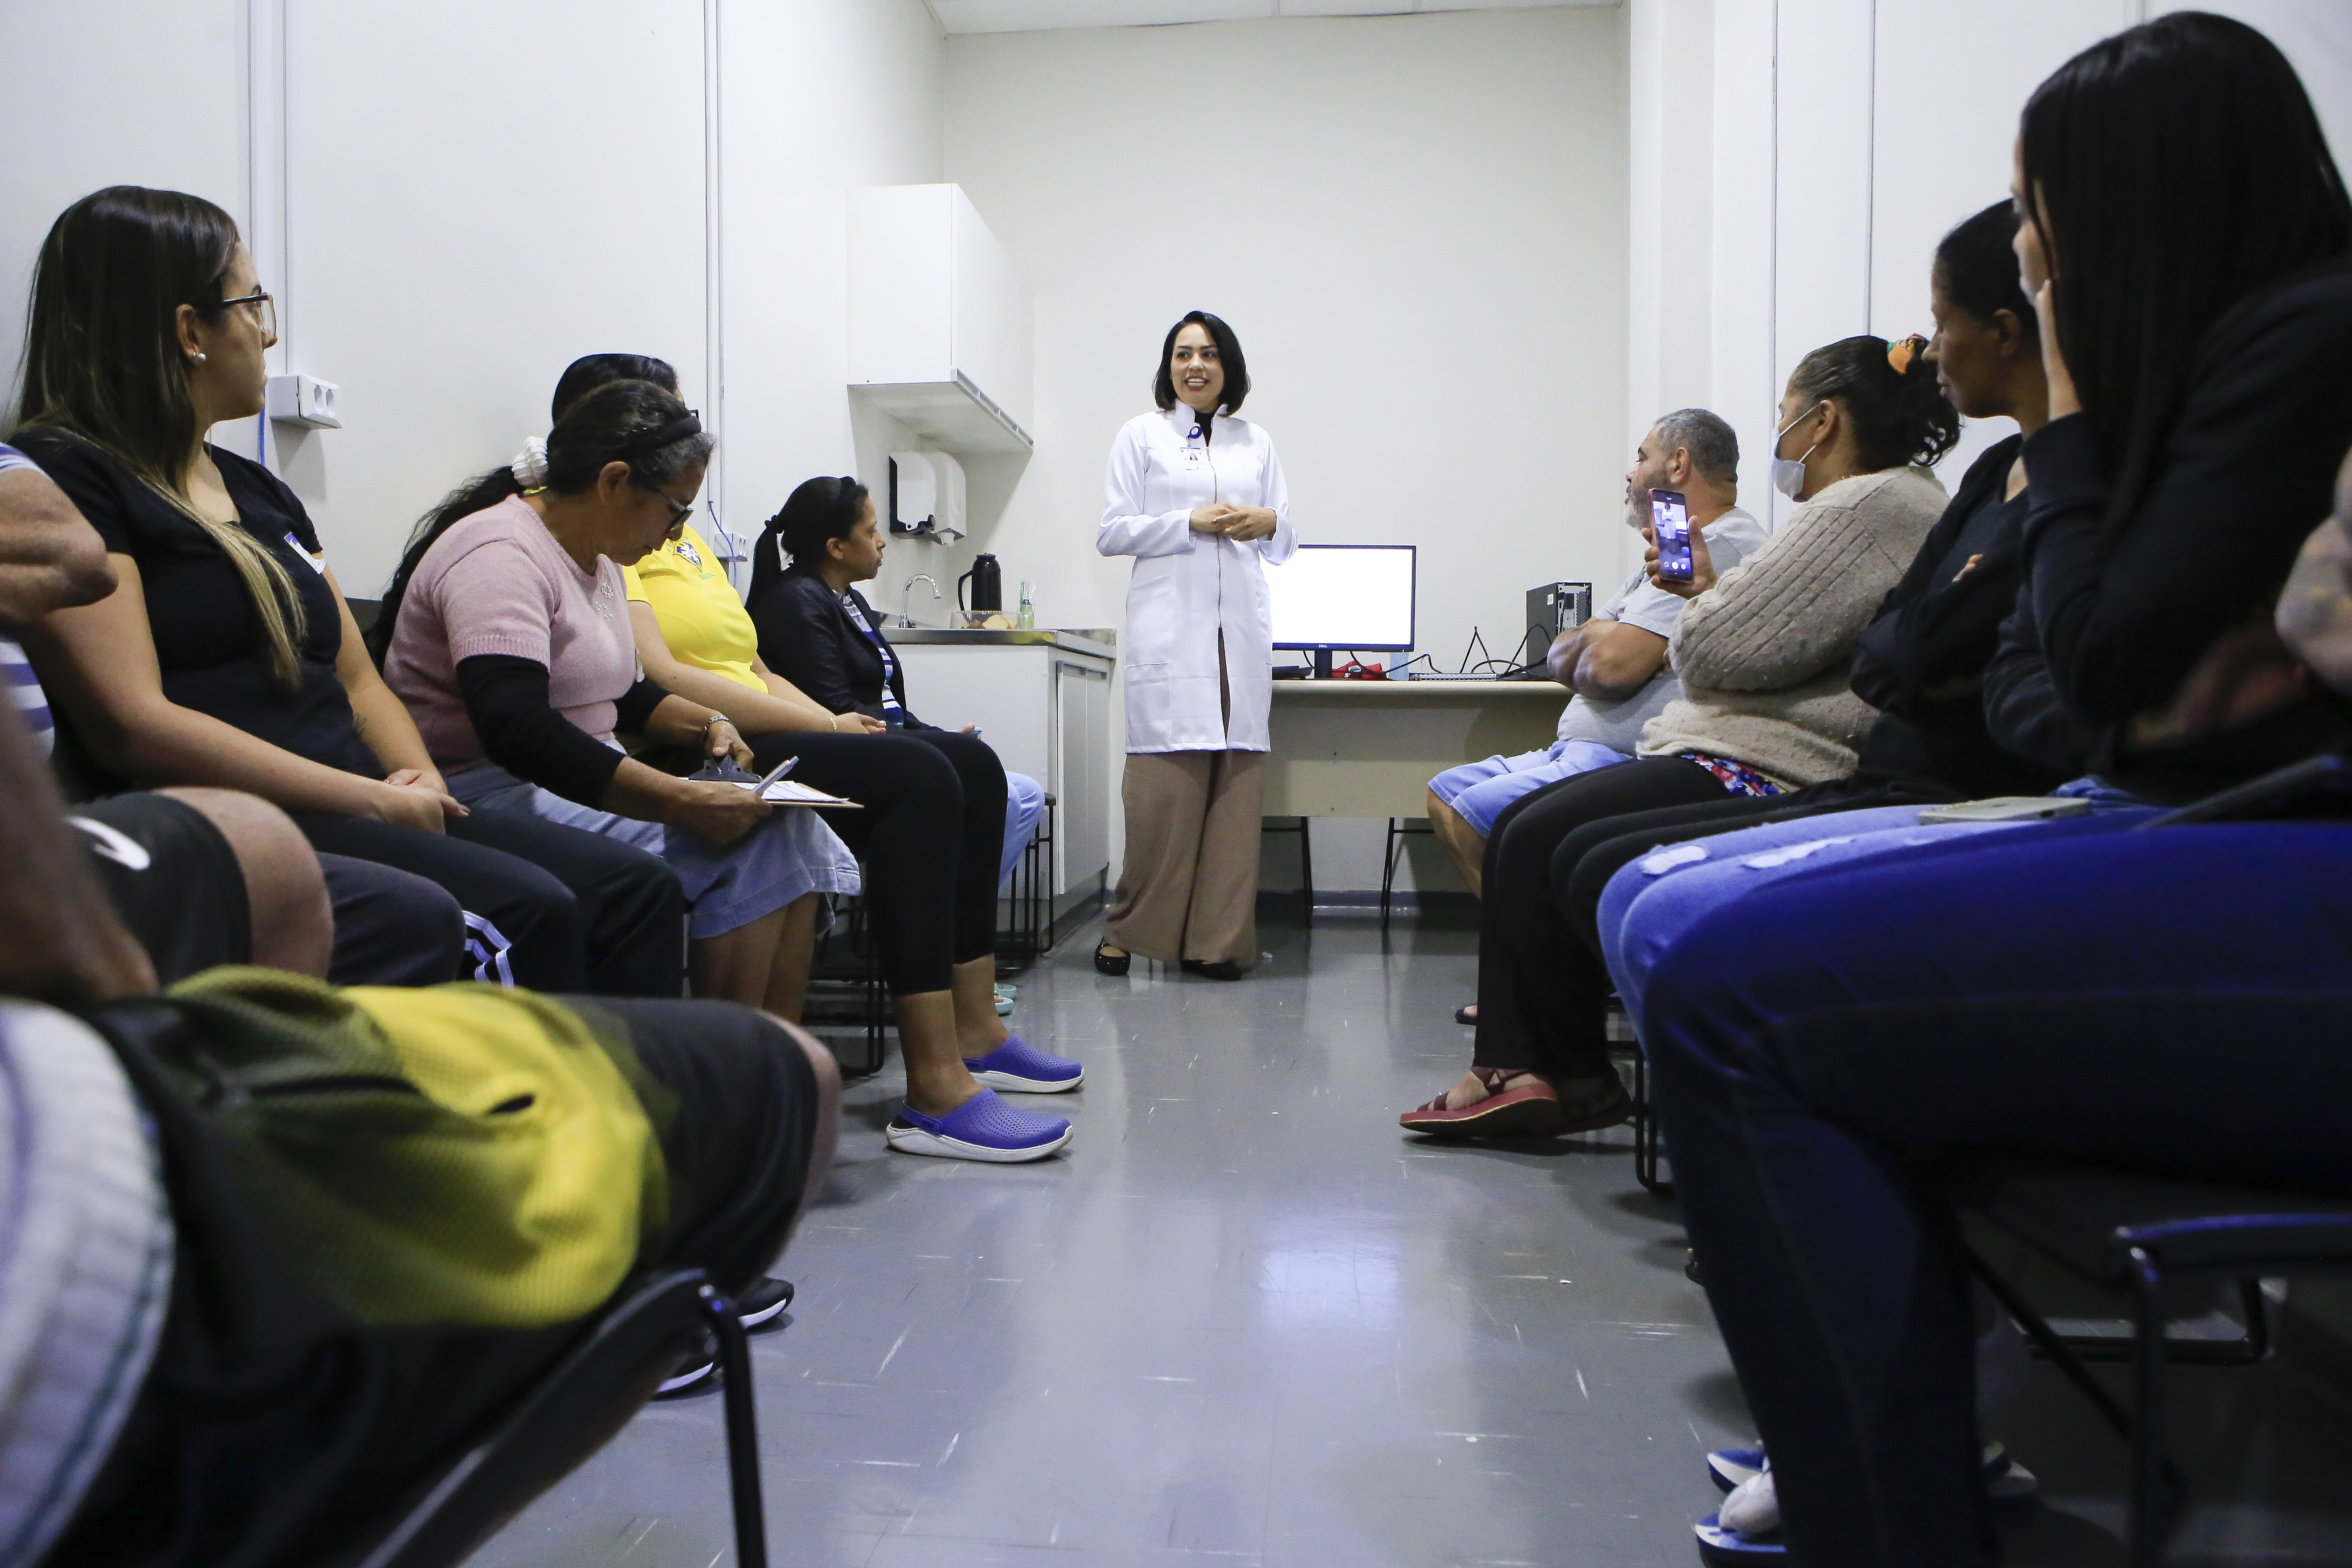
x,y
1369,748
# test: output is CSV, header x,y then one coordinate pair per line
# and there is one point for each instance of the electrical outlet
x,y
303,400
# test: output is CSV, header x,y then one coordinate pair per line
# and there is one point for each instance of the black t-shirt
x,y
209,641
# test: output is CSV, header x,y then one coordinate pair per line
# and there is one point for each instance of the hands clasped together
x,y
1241,523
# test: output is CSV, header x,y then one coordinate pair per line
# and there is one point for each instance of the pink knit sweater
x,y
499,583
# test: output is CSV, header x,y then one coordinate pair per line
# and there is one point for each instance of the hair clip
x,y
1900,355
530,465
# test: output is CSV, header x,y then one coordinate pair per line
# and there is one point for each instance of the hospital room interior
x,y
1316,783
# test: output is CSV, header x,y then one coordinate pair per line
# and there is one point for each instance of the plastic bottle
x,y
1028,610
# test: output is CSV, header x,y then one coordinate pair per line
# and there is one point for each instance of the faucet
x,y
905,620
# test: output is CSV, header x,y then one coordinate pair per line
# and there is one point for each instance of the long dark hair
x,y
2175,170
1899,416
1229,357
820,511
103,361
632,422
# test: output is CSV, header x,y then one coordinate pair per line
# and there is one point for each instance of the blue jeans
x,y
1478,791
1649,904
1024,804
2177,999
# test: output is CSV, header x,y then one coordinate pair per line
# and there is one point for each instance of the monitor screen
x,y
1344,596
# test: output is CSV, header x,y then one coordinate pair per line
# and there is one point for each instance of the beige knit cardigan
x,y
1764,655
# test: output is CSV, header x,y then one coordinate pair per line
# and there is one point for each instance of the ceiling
x,y
1040,15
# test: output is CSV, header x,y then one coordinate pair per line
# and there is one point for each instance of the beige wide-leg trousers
x,y
1189,887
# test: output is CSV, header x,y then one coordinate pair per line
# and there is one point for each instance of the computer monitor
x,y
1354,597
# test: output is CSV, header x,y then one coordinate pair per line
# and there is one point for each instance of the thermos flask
x,y
987,587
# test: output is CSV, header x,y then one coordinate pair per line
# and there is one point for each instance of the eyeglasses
x,y
267,312
679,512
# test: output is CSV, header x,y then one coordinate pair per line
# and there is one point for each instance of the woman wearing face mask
x,y
1764,655
1197,497
2171,1000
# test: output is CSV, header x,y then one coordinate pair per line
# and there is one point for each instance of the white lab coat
x,y
1188,586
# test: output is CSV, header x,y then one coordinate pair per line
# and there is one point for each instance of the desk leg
x,y
1306,874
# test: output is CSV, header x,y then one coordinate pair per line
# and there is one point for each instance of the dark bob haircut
x,y
1229,356
589,372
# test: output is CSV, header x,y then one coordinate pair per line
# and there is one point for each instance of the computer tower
x,y
1553,608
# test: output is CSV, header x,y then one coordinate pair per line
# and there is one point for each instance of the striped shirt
x,y
16,669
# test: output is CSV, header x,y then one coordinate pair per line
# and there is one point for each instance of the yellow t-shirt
x,y
702,620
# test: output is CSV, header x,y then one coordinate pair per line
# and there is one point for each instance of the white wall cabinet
x,y
939,319
1045,706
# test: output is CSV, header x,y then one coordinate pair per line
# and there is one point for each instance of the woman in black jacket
x,y
817,631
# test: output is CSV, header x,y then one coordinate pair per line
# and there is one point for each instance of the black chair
x,y
574,1410
2141,1234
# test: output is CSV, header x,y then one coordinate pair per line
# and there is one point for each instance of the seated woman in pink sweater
x,y
512,646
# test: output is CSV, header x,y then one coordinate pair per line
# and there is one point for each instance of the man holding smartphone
x,y
1616,663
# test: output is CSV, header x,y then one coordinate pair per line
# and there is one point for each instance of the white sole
x,y
1019,1084
766,1315
915,1141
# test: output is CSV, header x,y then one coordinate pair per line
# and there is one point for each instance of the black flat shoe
x,y
1223,969
1105,965
1466,1014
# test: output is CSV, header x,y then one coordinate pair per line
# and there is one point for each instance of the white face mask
x,y
1788,473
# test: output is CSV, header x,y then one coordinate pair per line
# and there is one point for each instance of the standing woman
x,y
1197,497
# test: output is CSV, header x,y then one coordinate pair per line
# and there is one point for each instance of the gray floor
x,y
1245,1319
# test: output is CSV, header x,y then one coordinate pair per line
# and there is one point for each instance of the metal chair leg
x,y
2147,1445
742,1431
1646,1131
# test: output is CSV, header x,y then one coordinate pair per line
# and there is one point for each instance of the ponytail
x,y
1889,391
475,495
822,509
632,422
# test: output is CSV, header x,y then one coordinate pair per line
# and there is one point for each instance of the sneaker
x,y
763,1303
982,1128
1024,1070
1005,1001
2007,1482
696,1372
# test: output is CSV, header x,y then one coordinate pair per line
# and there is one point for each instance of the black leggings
x,y
1543,994
549,907
931,835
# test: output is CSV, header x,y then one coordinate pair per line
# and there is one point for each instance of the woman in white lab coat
x,y
1197,497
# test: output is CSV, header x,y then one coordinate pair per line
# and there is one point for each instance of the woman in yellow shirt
x,y
928,833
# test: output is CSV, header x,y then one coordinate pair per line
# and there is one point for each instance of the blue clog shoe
x,y
1023,1068
982,1128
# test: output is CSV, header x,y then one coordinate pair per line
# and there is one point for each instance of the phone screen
x,y
1670,524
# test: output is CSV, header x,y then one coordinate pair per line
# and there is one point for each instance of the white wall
x,y
1413,223
454,200
1848,135
167,107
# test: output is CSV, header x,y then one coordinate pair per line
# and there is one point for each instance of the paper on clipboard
x,y
786,792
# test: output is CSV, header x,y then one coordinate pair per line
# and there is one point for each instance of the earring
x,y
199,358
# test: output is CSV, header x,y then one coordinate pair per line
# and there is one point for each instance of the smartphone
x,y
1670,526
2007,808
